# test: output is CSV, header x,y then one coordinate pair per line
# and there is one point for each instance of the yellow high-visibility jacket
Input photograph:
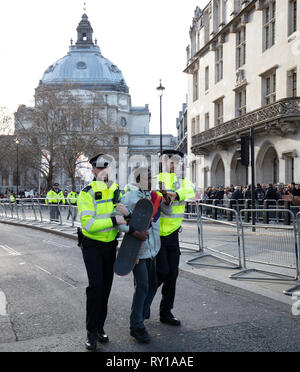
x,y
72,197
55,198
185,190
95,207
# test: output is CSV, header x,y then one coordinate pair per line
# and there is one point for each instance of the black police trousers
x,y
167,262
99,258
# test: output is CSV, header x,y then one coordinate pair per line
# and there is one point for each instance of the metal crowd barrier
x,y
191,213
36,211
295,288
233,256
266,246
261,216
272,247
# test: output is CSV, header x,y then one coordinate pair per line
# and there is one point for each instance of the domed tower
x,y
84,66
95,78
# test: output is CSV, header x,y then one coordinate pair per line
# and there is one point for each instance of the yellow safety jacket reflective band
x,y
185,190
55,198
95,207
72,198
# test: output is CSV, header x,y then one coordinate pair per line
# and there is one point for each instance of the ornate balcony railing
x,y
288,108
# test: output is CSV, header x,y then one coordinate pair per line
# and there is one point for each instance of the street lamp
x,y
160,90
17,143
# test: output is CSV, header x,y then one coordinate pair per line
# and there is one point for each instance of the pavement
x,y
42,302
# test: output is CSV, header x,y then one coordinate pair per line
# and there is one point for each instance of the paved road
x,y
42,279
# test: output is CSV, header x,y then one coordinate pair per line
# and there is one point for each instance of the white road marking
x,y
54,276
9,251
50,242
45,271
3,304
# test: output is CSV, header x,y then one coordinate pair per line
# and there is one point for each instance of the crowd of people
x,y
261,192
25,194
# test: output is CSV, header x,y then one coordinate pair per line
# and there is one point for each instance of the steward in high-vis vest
x,y
175,191
54,197
98,241
12,199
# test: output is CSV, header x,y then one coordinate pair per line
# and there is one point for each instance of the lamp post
x,y
17,143
160,90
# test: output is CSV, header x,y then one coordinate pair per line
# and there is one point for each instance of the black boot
x,y
91,341
141,335
169,318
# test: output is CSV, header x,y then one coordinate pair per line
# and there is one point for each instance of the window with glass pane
x,y
241,102
195,86
269,88
219,63
269,16
207,121
241,47
294,84
219,112
292,16
206,78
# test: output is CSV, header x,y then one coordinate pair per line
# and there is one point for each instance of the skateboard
x,y
131,246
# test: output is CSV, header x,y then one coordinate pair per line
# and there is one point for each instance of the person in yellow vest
x,y
72,200
12,198
55,197
98,241
175,191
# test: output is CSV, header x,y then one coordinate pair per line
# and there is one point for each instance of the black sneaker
x,y
102,337
91,341
141,335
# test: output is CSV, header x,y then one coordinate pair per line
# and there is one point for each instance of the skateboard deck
x,y
131,246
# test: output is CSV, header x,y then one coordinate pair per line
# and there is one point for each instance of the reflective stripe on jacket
x,y
185,190
95,207
72,197
55,198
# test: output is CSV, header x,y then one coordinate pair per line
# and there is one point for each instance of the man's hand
x,y
141,235
169,197
172,195
288,197
122,209
120,220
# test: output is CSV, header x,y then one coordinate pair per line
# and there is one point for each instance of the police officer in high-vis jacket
x,y
98,240
54,197
175,191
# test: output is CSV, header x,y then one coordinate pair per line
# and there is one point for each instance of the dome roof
x,y
85,66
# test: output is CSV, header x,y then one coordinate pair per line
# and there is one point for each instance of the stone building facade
x,y
243,66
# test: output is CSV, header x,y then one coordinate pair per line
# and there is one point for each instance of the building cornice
x,y
280,118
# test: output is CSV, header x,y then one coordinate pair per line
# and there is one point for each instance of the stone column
x,y
123,166
297,169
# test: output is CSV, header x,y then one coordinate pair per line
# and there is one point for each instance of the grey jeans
x,y
145,283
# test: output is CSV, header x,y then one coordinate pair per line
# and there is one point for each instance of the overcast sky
x,y
147,40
